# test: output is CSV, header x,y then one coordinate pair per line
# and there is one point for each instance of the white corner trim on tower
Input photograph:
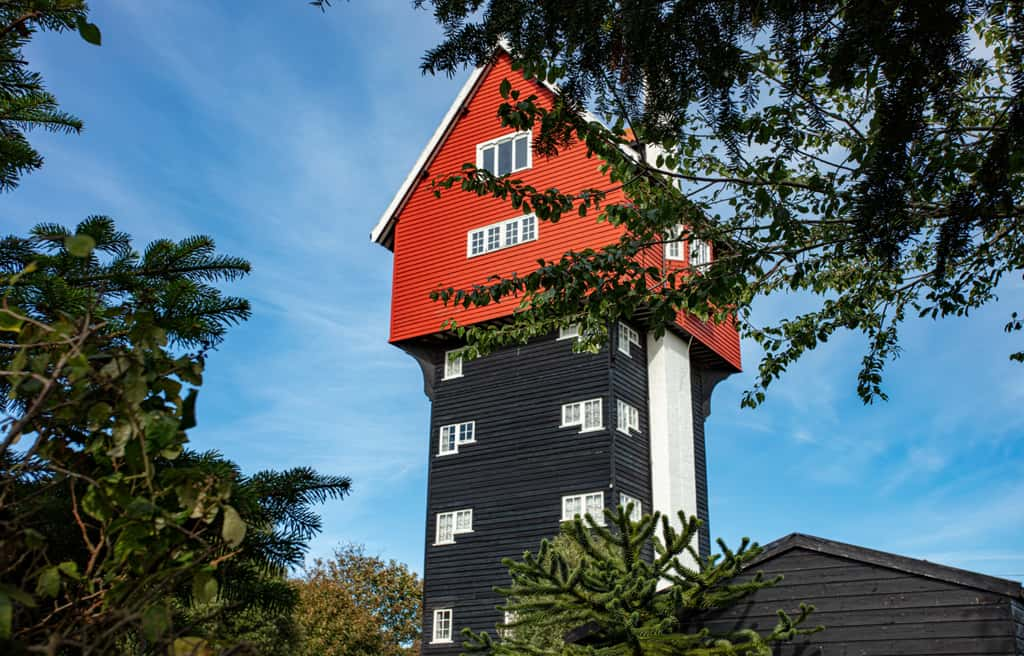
x,y
670,403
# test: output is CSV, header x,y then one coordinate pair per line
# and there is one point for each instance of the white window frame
x,y
453,518
505,631
572,331
674,245
584,500
453,364
493,143
457,431
627,417
575,414
700,252
504,232
438,638
638,511
628,336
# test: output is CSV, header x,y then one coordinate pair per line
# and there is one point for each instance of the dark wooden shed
x,y
879,604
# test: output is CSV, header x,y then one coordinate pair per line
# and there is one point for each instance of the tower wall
x,y
522,461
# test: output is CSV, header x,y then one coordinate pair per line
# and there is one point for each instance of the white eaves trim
x,y
385,224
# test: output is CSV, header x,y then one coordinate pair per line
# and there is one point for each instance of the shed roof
x,y
915,566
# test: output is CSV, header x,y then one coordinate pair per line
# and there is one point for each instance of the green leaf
x,y
89,31
10,322
48,583
70,569
204,587
155,622
188,411
79,245
233,530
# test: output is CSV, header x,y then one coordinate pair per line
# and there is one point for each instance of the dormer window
x,y
501,235
505,155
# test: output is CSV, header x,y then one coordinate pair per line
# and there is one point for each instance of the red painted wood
x,y
430,233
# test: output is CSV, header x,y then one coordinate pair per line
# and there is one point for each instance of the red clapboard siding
x,y
430,233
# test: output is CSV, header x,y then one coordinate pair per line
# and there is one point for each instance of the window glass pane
x,y
494,238
595,505
488,159
623,340
464,520
476,242
572,506
512,233
452,365
529,228
466,432
592,414
505,157
621,421
522,143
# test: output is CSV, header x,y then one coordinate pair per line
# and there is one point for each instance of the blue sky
x,y
283,133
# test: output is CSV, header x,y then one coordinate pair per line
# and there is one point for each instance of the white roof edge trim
x,y
380,229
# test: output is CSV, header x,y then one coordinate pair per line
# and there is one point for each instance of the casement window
x,y
577,505
572,331
627,417
637,512
505,629
450,524
504,234
585,414
442,625
627,337
673,244
700,253
506,154
452,364
454,435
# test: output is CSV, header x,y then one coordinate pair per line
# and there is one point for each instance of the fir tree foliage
x,y
867,156
622,589
25,104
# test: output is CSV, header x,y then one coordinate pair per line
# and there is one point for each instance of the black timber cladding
x,y
878,604
522,463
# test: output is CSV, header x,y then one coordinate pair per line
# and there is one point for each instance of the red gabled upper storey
x,y
430,236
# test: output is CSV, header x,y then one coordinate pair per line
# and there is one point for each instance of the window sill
x,y
592,430
440,642
442,544
444,378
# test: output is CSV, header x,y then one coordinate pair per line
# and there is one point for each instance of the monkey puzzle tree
x,y
623,590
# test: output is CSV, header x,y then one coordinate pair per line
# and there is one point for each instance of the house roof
x,y
892,561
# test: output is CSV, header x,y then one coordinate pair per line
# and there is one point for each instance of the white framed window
x,y
453,435
587,415
452,523
673,244
577,505
637,512
572,331
700,253
627,337
506,154
627,417
506,629
452,364
503,234
442,625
